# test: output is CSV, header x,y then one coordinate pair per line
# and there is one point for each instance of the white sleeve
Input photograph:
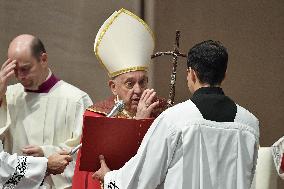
x,y
21,171
148,168
277,153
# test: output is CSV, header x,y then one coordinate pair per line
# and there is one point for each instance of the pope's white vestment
x,y
51,120
21,172
182,150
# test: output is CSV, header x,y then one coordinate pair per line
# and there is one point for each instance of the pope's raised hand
x,y
6,72
146,104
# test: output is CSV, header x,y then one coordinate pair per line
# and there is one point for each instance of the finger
x,y
150,98
96,175
24,154
12,72
102,161
30,146
143,94
9,67
63,152
153,105
32,150
68,158
7,70
65,162
24,150
5,78
27,151
148,95
101,157
6,63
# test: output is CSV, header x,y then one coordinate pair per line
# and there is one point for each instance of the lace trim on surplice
x,y
18,174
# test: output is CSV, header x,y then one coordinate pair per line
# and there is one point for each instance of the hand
x,y
7,70
145,105
100,174
33,150
58,162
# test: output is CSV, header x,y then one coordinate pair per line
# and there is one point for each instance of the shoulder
x,y
246,117
16,88
14,91
67,90
182,112
102,107
175,118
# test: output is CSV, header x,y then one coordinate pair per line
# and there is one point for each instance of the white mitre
x,y
124,43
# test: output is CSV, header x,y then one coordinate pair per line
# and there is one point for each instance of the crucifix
x,y
175,54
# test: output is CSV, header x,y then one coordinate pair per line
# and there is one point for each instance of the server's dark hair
x,y
209,60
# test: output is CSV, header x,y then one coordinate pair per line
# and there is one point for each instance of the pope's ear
x,y
112,86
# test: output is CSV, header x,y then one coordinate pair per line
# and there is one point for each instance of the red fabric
x,y
282,163
102,135
45,86
83,179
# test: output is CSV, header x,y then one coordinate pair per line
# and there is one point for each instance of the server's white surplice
x,y
182,150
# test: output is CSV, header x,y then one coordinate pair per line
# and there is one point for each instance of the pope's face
x,y
129,88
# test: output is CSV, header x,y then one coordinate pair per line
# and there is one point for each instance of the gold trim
x,y
105,30
96,111
138,68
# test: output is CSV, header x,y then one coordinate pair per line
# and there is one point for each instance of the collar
x,y
46,85
208,90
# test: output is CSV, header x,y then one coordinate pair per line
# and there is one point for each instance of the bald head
x,y
22,40
28,44
20,44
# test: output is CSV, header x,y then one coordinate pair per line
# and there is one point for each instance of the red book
x,y
117,139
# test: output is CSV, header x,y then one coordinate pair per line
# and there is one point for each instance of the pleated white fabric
x,y
182,150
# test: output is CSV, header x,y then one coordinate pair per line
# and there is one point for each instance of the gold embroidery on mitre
x,y
138,68
101,37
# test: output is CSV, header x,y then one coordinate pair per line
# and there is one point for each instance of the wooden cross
x,y
175,54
